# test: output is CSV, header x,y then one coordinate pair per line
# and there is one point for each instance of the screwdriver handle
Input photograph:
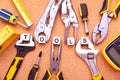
x,y
98,77
116,9
8,16
33,73
83,11
13,68
47,75
59,76
105,6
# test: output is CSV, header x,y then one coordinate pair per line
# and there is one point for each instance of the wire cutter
x,y
54,63
42,26
89,56
69,17
102,27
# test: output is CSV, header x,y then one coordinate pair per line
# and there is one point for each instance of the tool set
x,y
26,43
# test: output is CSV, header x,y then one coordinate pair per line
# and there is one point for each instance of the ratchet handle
x,y
116,9
83,11
98,77
59,76
47,75
16,63
105,6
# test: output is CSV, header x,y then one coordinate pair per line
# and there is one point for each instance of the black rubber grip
x,y
84,11
32,73
17,66
46,76
60,76
102,78
104,7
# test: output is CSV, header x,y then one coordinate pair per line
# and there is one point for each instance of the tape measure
x,y
23,13
7,35
111,52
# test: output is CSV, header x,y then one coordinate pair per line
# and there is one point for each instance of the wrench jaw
x,y
23,48
89,56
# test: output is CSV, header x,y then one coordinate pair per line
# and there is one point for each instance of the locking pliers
x,y
69,17
42,26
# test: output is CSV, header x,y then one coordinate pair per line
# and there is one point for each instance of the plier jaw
x,y
101,28
69,17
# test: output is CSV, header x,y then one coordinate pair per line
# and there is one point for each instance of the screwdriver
x,y
84,14
9,17
34,71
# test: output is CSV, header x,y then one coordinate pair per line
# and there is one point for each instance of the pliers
x,y
102,27
89,56
69,17
54,62
42,26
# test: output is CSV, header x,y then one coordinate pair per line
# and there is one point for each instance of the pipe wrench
x,y
68,18
89,56
42,26
23,45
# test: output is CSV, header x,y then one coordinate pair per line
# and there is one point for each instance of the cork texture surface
x,y
71,65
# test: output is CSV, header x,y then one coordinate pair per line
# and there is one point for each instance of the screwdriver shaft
x,y
21,24
86,28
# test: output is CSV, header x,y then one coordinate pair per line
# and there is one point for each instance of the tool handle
x,y
13,68
33,73
8,16
59,76
116,9
83,11
98,77
47,75
105,6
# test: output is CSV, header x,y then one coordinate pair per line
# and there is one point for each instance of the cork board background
x,y
72,66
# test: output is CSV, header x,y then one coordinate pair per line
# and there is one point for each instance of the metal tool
x,y
42,26
34,71
9,17
89,56
84,14
23,13
102,27
23,45
111,52
54,62
7,35
69,17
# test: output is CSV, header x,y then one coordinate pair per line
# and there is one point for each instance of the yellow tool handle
x,y
13,68
116,9
59,76
98,77
23,12
47,75
105,6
